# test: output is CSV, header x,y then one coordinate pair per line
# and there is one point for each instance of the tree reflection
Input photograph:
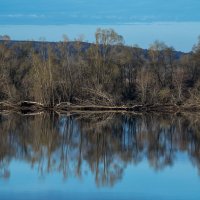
x,y
103,144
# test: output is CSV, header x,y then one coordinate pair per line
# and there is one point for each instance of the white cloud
x,y
22,16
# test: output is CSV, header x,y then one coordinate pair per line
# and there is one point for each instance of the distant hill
x,y
71,46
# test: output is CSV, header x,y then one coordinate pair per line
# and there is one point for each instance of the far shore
x,y
35,107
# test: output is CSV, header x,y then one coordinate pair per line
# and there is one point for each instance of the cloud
x,y
22,16
95,11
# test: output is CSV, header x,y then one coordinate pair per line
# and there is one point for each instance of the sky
x,y
175,22
51,12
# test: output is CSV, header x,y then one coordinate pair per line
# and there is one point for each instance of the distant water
x,y
99,156
181,35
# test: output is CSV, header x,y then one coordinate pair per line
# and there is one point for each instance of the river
x,y
100,156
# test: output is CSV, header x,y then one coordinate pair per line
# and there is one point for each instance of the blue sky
x,y
51,12
50,19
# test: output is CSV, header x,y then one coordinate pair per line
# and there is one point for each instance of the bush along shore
x,y
34,107
100,76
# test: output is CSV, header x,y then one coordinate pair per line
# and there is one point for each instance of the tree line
x,y
102,73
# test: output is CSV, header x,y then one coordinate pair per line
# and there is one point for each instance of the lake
x,y
101,156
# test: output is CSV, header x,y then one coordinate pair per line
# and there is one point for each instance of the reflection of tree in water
x,y
103,144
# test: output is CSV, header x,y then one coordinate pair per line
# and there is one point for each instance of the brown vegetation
x,y
106,73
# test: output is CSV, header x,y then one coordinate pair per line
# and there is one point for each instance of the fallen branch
x,y
31,107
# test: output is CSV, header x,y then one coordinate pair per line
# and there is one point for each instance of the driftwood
x,y
22,106
135,108
31,106
96,108
30,103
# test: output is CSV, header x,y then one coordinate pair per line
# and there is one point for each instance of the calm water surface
x,y
100,156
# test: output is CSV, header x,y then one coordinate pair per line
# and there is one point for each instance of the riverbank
x,y
30,107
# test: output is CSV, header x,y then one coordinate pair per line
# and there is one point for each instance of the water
x,y
100,156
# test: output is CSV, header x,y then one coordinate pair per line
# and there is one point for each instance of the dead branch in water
x,y
32,106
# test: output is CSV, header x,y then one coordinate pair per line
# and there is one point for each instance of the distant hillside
x,y
71,46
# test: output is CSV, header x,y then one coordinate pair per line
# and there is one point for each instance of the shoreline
x,y
35,107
